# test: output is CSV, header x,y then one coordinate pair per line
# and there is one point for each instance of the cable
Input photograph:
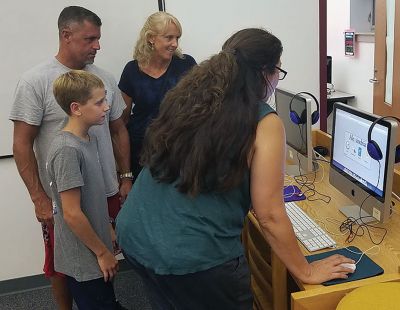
x,y
319,155
307,185
291,194
326,228
355,228
365,252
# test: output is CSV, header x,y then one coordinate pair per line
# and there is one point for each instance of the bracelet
x,y
126,175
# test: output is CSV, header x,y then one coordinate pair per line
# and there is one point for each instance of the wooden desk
x,y
321,297
269,275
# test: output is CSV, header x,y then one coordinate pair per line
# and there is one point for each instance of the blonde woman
x,y
157,66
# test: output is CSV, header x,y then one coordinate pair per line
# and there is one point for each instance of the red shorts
x,y
48,238
114,205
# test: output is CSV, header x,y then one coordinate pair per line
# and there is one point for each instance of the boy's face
x,y
95,110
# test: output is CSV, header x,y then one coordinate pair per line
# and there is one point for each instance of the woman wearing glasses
x,y
215,149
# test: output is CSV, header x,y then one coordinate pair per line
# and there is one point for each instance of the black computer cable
x,y
303,179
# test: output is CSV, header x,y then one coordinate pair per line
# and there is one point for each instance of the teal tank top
x,y
173,233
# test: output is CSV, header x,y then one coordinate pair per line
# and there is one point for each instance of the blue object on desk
x,y
366,267
292,193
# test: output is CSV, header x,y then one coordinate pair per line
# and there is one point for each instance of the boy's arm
x,y
80,226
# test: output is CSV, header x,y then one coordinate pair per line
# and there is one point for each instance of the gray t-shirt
x,y
35,104
73,162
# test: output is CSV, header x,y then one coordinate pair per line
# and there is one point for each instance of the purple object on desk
x,y
293,193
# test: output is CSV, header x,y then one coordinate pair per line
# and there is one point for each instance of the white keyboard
x,y
311,235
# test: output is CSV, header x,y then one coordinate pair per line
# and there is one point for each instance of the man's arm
x,y
80,226
120,140
127,112
24,136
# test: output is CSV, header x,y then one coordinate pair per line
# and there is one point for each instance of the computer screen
x,y
329,69
299,152
366,181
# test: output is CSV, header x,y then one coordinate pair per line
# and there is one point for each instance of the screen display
x,y
350,156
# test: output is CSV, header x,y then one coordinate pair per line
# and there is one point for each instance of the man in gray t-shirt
x,y
37,117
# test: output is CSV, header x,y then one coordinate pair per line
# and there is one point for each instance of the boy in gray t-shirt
x,y
83,246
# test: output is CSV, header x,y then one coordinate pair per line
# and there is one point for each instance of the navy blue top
x,y
148,92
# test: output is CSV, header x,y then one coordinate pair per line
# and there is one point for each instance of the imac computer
x,y
299,150
365,181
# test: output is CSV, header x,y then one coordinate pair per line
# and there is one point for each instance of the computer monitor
x,y
365,181
299,151
329,69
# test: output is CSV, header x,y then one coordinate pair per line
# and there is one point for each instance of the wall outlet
x,y
376,214
290,154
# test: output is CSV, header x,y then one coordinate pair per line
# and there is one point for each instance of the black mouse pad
x,y
365,268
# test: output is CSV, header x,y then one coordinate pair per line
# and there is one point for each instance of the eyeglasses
x,y
282,73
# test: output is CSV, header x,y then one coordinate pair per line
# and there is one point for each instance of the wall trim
x,y
20,285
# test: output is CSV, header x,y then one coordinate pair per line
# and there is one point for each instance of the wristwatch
x,y
126,175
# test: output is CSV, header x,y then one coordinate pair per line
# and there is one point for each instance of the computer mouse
x,y
348,265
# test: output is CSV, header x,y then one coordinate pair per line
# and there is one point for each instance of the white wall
x,y
294,22
209,23
28,30
20,234
29,34
349,74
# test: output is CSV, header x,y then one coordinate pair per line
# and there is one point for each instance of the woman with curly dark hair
x,y
215,149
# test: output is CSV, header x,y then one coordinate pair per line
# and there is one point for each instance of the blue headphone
x,y
373,148
302,119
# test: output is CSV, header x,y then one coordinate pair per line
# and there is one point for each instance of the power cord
x,y
357,227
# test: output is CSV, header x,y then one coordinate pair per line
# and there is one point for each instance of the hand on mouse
x,y
328,269
351,267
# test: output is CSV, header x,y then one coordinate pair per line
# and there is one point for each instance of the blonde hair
x,y
75,86
156,24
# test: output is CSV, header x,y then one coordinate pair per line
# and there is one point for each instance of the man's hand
x,y
108,265
116,248
44,209
124,189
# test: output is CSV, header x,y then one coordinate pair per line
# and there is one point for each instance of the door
x,y
387,57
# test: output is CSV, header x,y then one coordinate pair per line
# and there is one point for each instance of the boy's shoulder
x,y
66,142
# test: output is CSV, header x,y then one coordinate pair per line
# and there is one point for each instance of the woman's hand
x,y
328,269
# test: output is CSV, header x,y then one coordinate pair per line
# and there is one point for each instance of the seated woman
x,y
215,149
157,66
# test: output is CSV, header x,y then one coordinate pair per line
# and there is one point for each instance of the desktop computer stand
x,y
295,170
353,211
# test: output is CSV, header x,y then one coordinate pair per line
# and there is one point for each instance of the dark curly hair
x,y
207,124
